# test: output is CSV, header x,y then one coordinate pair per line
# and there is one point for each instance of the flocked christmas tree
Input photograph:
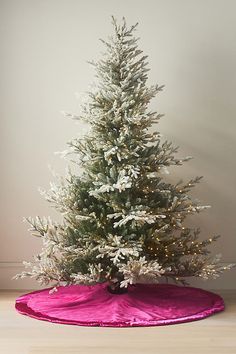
x,y
122,221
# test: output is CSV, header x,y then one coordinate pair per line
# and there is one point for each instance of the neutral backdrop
x,y
45,45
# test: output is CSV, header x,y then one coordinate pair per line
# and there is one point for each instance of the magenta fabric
x,y
142,305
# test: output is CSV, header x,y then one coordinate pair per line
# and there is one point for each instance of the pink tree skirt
x,y
142,305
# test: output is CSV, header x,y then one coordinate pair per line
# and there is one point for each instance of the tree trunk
x,y
114,288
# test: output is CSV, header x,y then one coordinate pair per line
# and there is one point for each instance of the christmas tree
x,y
122,222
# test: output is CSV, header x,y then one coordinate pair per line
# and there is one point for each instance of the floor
x,y
23,335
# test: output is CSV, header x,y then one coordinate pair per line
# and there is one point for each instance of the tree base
x,y
114,288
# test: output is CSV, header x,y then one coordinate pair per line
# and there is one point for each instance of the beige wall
x,y
44,48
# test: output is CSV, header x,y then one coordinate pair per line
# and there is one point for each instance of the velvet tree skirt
x,y
142,305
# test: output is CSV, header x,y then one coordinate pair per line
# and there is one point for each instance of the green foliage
x,y
121,216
